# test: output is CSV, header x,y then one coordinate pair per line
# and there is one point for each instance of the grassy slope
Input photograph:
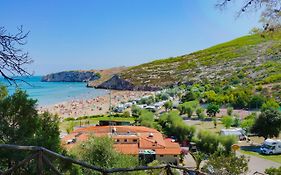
x,y
256,56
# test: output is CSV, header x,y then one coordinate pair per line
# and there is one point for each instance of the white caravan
x,y
271,146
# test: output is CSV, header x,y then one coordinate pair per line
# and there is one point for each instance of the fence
x,y
40,155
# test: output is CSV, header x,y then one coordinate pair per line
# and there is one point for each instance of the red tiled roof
x,y
127,148
154,141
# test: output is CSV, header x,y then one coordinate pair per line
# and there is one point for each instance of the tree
x,y
227,121
136,111
146,118
12,58
198,158
210,143
226,165
270,104
212,110
173,125
248,122
270,15
21,124
268,124
189,111
102,154
200,113
168,105
256,101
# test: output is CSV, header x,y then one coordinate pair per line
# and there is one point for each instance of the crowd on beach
x,y
92,106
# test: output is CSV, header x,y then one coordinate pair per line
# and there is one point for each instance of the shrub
x,y
227,121
173,125
136,111
229,111
69,119
126,114
200,113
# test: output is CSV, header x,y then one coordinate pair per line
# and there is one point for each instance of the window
x,y
175,155
135,140
161,155
125,140
117,140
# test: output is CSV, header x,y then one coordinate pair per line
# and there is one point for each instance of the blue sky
x,y
97,34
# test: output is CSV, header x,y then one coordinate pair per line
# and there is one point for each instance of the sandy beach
x,y
92,106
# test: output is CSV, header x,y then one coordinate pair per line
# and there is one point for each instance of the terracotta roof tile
x,y
127,148
154,141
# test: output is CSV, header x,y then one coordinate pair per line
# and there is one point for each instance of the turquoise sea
x,y
54,92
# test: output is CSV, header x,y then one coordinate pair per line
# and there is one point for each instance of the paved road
x,y
259,164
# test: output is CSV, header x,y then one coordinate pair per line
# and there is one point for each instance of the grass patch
x,y
91,121
274,158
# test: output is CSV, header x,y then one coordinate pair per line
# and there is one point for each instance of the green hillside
x,y
254,58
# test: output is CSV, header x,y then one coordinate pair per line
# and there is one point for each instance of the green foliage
x,y
102,154
200,113
190,96
207,142
229,111
21,124
213,109
227,165
236,122
227,121
270,104
241,97
168,105
268,124
136,111
126,114
256,101
272,78
147,100
3,92
98,75
198,158
70,127
273,171
173,125
248,122
210,143
146,119
188,107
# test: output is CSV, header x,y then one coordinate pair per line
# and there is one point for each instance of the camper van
x,y
271,146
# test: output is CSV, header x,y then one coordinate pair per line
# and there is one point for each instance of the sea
x,y
48,93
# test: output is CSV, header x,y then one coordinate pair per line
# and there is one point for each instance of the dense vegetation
x,y
250,60
21,124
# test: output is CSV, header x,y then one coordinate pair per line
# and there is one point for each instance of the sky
x,y
99,34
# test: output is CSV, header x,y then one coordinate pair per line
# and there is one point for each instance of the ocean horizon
x,y
48,93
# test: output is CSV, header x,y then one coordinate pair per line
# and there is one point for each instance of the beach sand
x,y
92,106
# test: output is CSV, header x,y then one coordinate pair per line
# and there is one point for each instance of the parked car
x,y
271,146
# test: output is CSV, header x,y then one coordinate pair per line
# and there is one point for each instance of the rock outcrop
x,y
71,76
117,83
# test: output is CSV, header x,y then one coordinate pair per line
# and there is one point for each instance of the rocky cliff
x,y
117,83
71,76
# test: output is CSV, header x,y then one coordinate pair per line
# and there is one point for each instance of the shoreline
x,y
91,106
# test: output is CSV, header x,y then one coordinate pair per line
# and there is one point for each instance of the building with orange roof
x,y
147,143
